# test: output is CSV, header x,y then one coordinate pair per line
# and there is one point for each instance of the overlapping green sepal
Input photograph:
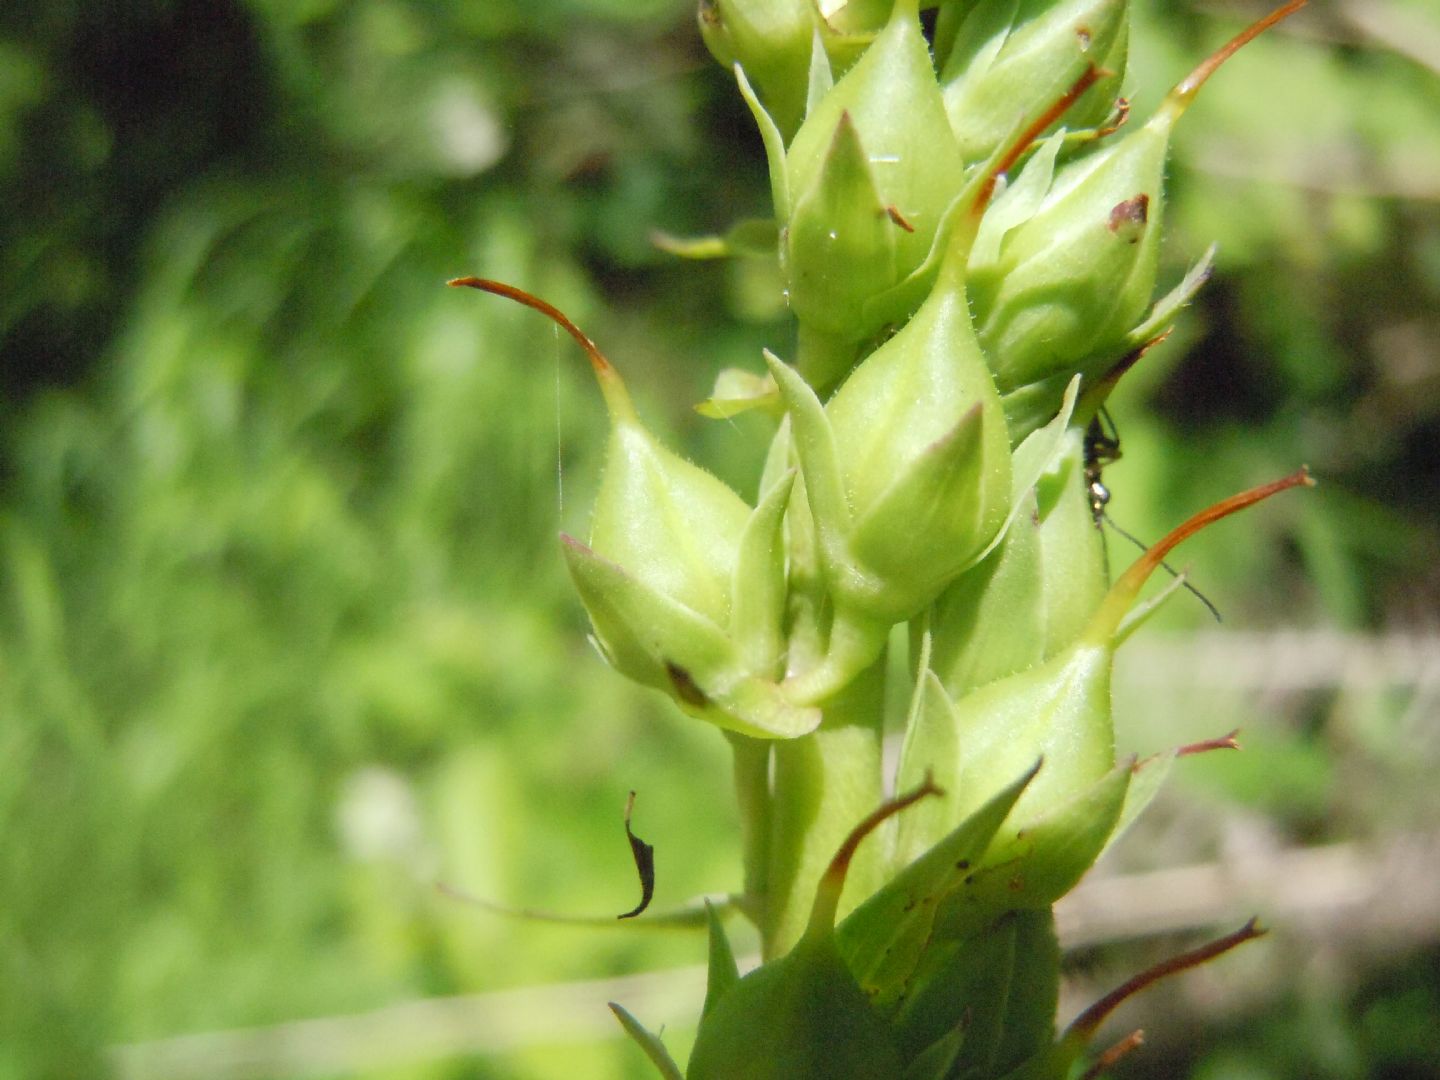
x,y
1005,56
1061,281
684,583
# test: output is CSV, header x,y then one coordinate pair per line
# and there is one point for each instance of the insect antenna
x,y
1102,446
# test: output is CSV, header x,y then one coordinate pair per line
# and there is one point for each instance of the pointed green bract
x,y
1072,548
884,939
840,244
723,973
648,1042
803,1016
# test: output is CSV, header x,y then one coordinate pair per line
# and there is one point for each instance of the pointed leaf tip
x,y
1184,92
1122,594
1083,1028
1228,741
648,1042
1107,1060
617,398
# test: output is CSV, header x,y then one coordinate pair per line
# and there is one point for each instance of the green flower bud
x,y
771,40
683,582
1065,287
1077,275
1008,58
840,246
1059,710
991,622
869,176
907,473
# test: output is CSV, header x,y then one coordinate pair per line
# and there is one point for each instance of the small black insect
x,y
1102,446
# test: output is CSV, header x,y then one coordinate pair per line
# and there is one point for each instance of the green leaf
x,y
774,144
1001,983
929,750
1044,859
801,1017
1059,709
882,940
1169,305
753,236
739,391
1147,778
724,972
937,1060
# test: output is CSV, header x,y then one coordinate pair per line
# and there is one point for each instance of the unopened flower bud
x,y
1068,285
840,245
877,148
907,469
1008,60
683,582
1060,710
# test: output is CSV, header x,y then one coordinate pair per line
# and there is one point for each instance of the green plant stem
x,y
823,784
752,793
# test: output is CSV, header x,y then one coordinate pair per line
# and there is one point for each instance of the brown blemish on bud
x,y
685,687
1129,217
898,218
1082,34
709,13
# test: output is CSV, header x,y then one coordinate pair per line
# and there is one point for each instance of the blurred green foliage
x,y
283,634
